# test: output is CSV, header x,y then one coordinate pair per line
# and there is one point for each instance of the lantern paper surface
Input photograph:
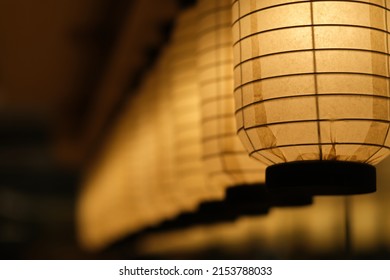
x,y
312,79
186,109
165,154
226,161
119,190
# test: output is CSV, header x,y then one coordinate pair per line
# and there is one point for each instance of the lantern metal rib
x,y
226,161
312,83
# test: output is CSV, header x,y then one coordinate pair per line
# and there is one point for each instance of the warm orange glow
x,y
312,80
292,103
226,161
186,109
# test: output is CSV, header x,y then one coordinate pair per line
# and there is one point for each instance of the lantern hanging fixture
x,y
312,91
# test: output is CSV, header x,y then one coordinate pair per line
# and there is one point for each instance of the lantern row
x,y
175,144
311,101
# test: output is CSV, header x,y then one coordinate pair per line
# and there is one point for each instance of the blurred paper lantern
x,y
130,189
151,135
226,161
369,217
115,199
283,234
165,152
186,109
312,91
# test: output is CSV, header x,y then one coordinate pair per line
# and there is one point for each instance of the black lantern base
x,y
213,212
255,195
321,177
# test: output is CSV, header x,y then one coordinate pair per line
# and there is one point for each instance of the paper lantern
x,y
312,91
153,133
117,193
165,138
186,110
226,161
369,222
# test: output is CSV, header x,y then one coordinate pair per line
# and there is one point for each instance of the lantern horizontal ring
x,y
216,98
184,159
309,73
222,116
186,127
213,11
309,50
226,153
212,81
311,26
318,144
213,28
311,95
314,121
216,137
189,172
307,1
201,49
185,139
178,56
213,64
182,39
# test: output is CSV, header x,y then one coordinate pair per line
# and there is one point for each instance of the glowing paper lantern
x,y
312,91
117,194
226,161
186,110
165,138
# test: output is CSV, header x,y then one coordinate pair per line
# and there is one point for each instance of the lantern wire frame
x,y
186,109
165,137
312,82
226,161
